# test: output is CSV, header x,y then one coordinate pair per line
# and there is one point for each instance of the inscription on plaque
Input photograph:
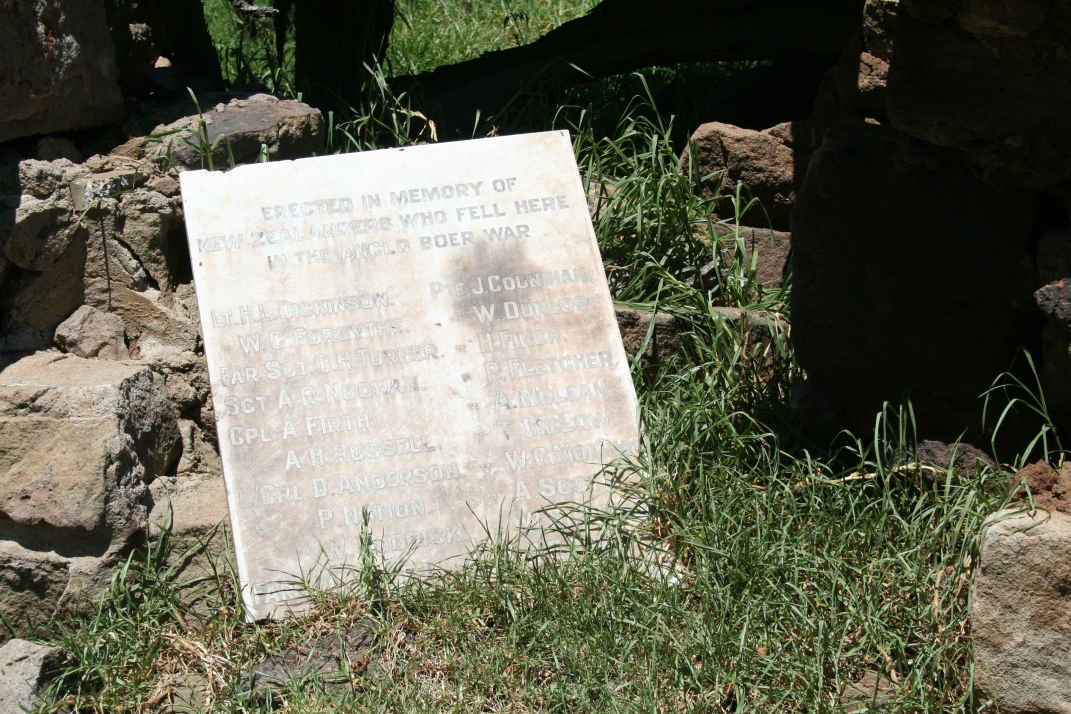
x,y
423,335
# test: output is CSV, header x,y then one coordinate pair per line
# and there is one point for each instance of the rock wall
x,y
106,420
930,211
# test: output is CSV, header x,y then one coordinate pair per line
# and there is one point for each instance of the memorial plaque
x,y
424,334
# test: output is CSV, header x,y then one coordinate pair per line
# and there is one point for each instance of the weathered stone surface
x,y
189,504
153,35
151,225
874,251
32,582
1054,303
660,343
82,439
1021,613
768,249
855,86
666,341
25,668
1050,489
954,78
108,232
50,148
437,327
872,692
763,160
194,500
1001,18
88,332
962,458
43,225
879,28
91,254
32,304
332,659
57,68
289,129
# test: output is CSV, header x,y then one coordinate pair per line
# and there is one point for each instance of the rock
x,y
33,304
855,86
660,343
25,669
50,148
1000,18
871,72
767,248
764,160
143,31
890,280
1054,304
102,181
190,693
879,28
126,435
331,660
666,341
92,333
33,582
1054,248
57,68
194,500
962,458
955,76
152,228
44,224
870,693
290,129
44,248
1021,613
931,11
79,442
109,232
189,505
1050,489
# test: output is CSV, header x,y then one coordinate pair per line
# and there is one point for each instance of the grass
x,y
753,571
426,35
431,33
786,574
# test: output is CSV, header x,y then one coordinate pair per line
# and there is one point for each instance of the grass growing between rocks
x,y
747,573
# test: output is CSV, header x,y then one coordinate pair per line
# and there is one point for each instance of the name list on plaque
x,y
422,334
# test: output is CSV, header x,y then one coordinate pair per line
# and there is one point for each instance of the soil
x,y
1051,488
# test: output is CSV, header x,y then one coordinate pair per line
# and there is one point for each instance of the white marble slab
x,y
423,333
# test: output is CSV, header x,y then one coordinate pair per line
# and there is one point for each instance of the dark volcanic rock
x,y
1054,302
892,284
57,68
991,79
